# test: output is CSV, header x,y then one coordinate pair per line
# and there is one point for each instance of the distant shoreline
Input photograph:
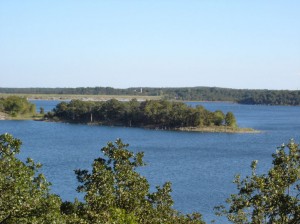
x,y
183,94
67,97
88,97
62,97
102,98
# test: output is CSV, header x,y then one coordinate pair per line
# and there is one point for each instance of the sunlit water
x,y
201,166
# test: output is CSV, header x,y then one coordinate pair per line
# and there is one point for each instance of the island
x,y
151,114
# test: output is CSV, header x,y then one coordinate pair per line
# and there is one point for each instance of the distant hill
x,y
243,96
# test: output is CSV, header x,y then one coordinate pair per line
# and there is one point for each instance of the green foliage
x,y
116,193
15,105
161,114
24,193
268,198
42,110
230,120
219,118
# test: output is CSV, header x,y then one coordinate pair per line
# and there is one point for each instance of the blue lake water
x,y
201,166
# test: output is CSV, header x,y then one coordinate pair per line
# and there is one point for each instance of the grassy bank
x,y
4,116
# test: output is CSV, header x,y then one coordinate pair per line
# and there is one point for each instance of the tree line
x,y
243,96
114,192
161,114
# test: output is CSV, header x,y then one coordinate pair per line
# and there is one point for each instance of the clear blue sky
x,y
154,43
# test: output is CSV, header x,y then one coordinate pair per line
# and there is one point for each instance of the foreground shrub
x,y
116,193
268,198
24,192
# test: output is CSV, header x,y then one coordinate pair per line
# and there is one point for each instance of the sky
x,y
250,44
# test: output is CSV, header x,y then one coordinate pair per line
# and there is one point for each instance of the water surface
x,y
201,166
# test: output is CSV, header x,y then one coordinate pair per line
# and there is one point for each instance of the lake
x,y
201,166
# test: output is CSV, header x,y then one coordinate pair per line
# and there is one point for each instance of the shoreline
x,y
3,116
68,97
208,129
7,117
124,98
204,129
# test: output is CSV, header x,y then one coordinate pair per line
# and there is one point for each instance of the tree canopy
x,y
161,114
116,193
24,192
271,198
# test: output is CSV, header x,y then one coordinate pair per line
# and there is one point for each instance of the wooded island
x,y
154,114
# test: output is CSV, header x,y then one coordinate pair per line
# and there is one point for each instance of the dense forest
x,y
114,192
243,96
160,114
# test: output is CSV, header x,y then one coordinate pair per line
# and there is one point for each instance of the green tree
x,y
230,120
151,109
42,110
219,117
271,198
132,114
24,193
113,110
116,193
